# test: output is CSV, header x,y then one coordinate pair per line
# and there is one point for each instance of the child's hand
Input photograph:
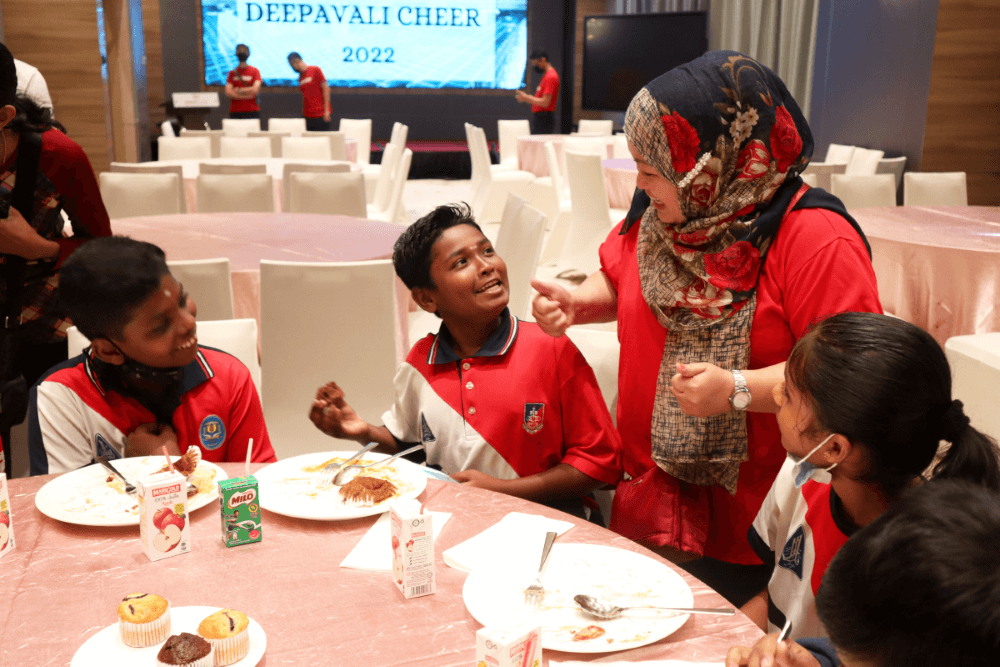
x,y
702,390
149,439
480,480
552,308
332,415
768,652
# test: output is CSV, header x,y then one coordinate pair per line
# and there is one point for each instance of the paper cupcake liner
x,y
205,661
139,635
231,649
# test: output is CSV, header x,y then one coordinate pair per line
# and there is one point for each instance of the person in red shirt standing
x,y
315,94
543,102
242,86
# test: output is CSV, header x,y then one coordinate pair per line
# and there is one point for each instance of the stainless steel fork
x,y
534,593
327,474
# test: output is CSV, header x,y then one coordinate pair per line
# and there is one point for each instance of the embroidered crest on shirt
x,y
534,417
104,448
794,553
212,432
426,434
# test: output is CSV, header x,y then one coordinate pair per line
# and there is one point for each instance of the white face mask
x,y
804,470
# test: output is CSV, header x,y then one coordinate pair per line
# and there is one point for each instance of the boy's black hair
x,y
8,76
918,587
106,280
413,253
294,55
243,46
539,53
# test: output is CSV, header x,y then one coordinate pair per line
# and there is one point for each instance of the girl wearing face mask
x,y
864,406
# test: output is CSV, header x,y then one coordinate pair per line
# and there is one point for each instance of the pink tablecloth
x,y
619,178
63,583
531,151
939,267
247,238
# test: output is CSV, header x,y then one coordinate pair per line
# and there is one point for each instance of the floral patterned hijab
x,y
726,132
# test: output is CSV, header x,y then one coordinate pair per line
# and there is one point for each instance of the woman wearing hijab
x,y
722,263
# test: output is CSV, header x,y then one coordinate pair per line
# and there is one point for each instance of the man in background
x,y
543,102
315,94
242,86
31,83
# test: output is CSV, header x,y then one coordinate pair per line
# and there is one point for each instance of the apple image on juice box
x,y
6,529
163,524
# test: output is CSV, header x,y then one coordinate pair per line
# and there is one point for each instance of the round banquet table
x,y
619,178
937,267
531,151
63,583
247,238
274,166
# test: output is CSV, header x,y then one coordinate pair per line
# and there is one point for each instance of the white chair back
x,y
222,168
329,194
864,191
864,162
306,148
480,171
361,131
595,127
810,180
823,171
584,145
975,369
338,143
619,150
519,243
386,174
602,350
935,189
275,138
839,153
183,148
591,216
894,166
236,337
210,284
490,188
399,134
293,127
155,168
167,129
131,195
556,171
350,339
257,147
509,131
239,127
394,211
313,168
213,135
230,193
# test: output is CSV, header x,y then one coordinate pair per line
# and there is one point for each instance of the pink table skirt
x,y
63,583
619,178
939,267
531,152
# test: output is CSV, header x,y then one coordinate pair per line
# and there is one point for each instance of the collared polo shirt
x,y
522,404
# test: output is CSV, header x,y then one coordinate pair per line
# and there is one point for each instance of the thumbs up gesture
x,y
553,308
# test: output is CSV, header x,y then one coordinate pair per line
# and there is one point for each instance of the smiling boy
x,y
144,383
497,403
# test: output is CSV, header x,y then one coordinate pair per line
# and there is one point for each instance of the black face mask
x,y
157,389
242,56
539,68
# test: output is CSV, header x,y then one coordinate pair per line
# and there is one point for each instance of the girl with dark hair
x,y
865,404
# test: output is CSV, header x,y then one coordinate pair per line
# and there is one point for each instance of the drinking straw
x,y
170,464
249,450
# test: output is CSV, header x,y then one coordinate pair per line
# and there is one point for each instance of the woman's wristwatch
x,y
740,400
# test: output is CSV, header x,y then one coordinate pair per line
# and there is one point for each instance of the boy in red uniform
x,y
242,86
496,403
315,94
543,102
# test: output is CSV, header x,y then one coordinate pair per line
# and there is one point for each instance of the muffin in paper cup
x,y
183,651
143,619
228,631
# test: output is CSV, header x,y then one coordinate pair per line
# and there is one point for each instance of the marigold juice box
x,y
240,505
164,529
6,526
515,646
412,549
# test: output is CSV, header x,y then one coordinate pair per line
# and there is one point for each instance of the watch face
x,y
741,400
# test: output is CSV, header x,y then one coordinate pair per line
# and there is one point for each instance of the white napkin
x,y
510,538
644,663
374,551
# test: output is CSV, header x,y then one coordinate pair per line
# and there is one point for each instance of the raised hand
x,y
332,415
553,308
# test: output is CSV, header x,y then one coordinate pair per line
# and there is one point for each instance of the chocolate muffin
x,y
186,650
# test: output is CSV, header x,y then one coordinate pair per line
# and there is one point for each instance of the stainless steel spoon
x,y
129,487
348,473
595,607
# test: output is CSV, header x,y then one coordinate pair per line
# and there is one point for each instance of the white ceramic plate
x,y
85,497
106,649
494,595
287,487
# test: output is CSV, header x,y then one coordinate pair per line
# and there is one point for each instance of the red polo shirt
x,y
311,85
243,77
548,84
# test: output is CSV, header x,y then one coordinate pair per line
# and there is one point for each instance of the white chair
x,y
236,337
257,147
184,148
361,131
810,180
823,171
313,168
839,153
561,204
601,350
864,162
384,178
156,168
239,127
167,129
133,195
619,149
329,194
213,135
338,143
275,138
394,210
490,188
975,370
399,134
864,191
306,148
210,284
222,168
519,243
350,339
294,127
228,193
583,145
935,189
591,217
509,131
605,127
894,166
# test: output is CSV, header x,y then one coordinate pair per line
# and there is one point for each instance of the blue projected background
x,y
387,44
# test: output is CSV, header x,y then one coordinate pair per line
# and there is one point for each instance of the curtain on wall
x,y
779,33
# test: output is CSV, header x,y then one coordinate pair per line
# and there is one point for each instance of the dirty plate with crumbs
x,y
289,486
91,496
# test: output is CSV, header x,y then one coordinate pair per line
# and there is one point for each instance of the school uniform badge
x,y
534,417
794,553
105,449
426,434
212,432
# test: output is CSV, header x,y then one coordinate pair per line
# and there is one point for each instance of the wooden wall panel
x,y
60,38
963,108
153,35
